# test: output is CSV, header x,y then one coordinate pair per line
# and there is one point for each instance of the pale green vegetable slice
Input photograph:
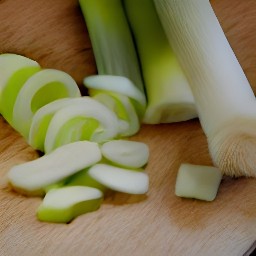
x,y
199,182
43,117
9,64
45,86
114,105
129,123
41,120
32,177
62,205
60,131
83,178
130,154
12,88
117,84
120,179
114,83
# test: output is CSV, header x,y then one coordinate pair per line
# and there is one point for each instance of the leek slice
x,y
121,105
124,92
41,120
120,179
9,64
11,90
111,38
43,87
117,84
199,182
33,177
83,178
129,154
64,204
44,115
85,108
112,103
169,96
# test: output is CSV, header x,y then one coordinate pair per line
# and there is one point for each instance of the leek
x,y
41,120
224,99
11,90
121,96
169,96
125,153
31,178
114,52
197,181
62,205
11,63
86,109
120,179
111,39
41,88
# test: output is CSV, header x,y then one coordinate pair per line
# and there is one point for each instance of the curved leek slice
x,y
131,154
83,178
129,123
11,90
41,121
64,204
120,179
9,64
42,88
87,109
32,177
117,84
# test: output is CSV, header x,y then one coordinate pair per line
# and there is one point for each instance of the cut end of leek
x,y
169,112
233,149
198,182
64,204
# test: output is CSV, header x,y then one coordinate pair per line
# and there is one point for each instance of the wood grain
x,y
54,34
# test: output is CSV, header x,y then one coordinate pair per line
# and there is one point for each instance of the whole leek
x,y
224,99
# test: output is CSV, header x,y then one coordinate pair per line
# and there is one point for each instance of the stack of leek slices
x,y
81,137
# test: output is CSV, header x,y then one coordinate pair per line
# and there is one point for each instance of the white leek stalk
x,y
114,50
169,96
224,99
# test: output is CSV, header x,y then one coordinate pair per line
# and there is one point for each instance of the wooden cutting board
x,y
159,223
